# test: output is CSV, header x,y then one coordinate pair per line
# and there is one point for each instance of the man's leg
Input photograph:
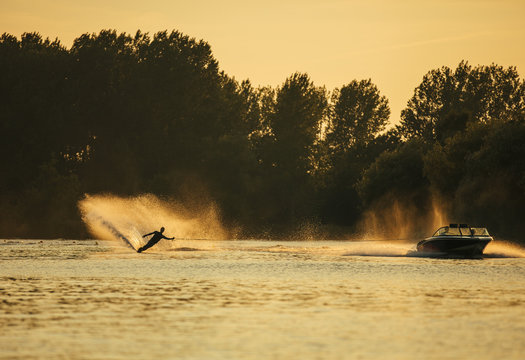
x,y
148,245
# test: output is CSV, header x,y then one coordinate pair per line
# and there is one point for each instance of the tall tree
x,y
359,114
293,116
37,149
448,99
299,109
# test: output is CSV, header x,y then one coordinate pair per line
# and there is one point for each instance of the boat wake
x,y
495,249
503,249
379,249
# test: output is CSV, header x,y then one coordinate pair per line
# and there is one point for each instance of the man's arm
x,y
167,238
151,233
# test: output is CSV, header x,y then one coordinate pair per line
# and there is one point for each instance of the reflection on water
x,y
257,300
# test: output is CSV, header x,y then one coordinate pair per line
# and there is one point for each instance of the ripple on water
x,y
255,300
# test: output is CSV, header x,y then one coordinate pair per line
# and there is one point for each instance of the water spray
x,y
125,219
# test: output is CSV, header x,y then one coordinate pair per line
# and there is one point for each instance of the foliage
x,y
130,114
360,113
469,125
491,189
398,172
447,100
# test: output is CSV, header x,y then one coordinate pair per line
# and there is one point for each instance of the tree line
x,y
131,114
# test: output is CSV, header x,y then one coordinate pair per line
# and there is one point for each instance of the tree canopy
x,y
360,113
132,114
446,100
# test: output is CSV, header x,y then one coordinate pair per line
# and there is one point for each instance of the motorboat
x,y
456,240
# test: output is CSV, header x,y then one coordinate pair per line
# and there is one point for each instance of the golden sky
x,y
393,42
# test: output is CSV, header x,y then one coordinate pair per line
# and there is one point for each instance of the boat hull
x,y
460,246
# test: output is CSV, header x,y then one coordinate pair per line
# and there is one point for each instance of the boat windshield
x,y
480,231
461,231
445,230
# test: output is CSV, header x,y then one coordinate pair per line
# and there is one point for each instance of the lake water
x,y
65,299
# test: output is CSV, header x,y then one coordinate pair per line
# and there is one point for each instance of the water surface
x,y
257,300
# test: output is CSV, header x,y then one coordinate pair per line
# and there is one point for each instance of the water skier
x,y
157,236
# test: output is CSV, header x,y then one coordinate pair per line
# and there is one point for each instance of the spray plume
x,y
393,218
110,217
504,249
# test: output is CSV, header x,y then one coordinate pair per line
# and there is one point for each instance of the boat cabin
x,y
460,230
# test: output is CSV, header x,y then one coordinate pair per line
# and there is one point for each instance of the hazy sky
x,y
393,42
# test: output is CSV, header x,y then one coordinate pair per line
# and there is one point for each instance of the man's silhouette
x,y
157,236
